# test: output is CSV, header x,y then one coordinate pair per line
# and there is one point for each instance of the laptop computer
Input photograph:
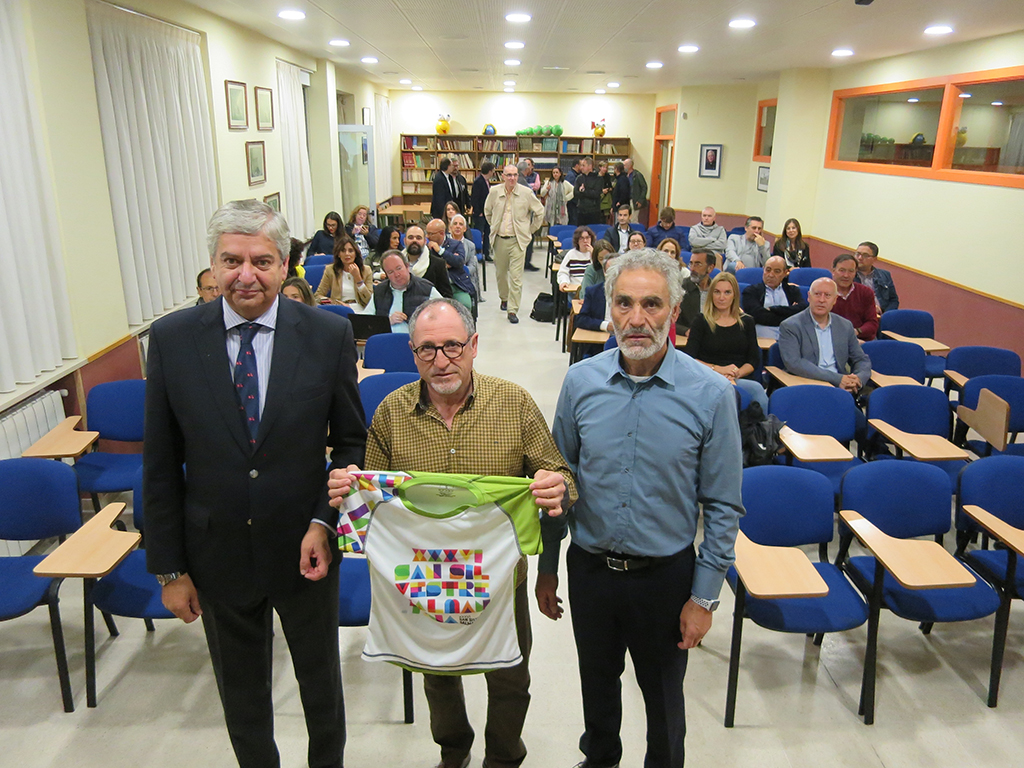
x,y
365,326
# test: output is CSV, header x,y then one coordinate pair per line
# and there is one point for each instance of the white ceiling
x,y
459,44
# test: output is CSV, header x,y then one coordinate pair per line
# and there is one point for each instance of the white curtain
x,y
297,200
36,334
382,148
1012,155
158,147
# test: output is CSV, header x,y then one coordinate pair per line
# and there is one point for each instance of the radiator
x,y
20,427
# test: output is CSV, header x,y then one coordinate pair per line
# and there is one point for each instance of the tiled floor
x,y
797,704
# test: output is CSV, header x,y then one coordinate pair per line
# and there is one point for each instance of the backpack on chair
x,y
543,308
759,436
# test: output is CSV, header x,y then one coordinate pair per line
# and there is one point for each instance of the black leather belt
x,y
617,561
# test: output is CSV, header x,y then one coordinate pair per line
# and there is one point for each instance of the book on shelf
x,y
407,160
570,146
525,144
465,161
549,144
607,149
587,146
418,142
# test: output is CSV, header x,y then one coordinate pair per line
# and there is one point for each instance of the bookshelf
x,y
420,154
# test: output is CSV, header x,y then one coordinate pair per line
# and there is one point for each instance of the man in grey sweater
x,y
707,234
749,249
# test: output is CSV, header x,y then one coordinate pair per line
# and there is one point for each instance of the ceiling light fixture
x,y
512,62
515,45
688,49
405,81
938,29
654,65
509,82
339,43
912,101
600,91
417,87
518,18
613,85
369,59
510,90
842,52
742,23
291,15
965,95
997,103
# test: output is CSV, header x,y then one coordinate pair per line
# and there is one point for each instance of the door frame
x,y
652,213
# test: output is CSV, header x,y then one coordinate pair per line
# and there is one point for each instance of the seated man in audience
x,y
878,280
666,227
399,295
855,302
422,263
707,234
818,344
439,243
206,287
749,249
695,290
618,235
774,300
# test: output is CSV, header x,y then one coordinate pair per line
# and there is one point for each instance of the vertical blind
x,y
297,202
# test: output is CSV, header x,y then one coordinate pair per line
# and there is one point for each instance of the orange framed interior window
x,y
944,147
764,133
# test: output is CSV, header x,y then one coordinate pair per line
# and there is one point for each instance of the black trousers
x,y
586,218
638,611
240,639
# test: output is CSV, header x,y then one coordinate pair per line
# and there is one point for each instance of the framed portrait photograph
x,y
264,108
256,162
710,161
762,177
238,105
274,201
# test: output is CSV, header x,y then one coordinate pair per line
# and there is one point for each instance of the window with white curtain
x,y
151,87
297,200
382,143
36,334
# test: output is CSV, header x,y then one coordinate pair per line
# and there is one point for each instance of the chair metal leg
x,y
108,619
407,695
999,634
150,626
818,638
57,630
926,627
867,689
90,645
95,501
734,653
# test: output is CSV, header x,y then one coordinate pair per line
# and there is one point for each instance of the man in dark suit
x,y
243,396
444,189
773,300
618,235
818,344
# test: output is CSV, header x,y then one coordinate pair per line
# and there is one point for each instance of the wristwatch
x,y
163,579
707,605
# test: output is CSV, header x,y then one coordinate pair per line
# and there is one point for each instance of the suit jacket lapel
x,y
811,322
287,342
210,341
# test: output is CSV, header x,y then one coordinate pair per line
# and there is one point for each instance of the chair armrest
x,y
776,572
813,447
921,447
991,419
956,379
62,442
94,550
998,528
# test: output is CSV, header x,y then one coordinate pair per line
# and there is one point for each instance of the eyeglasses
x,y
451,349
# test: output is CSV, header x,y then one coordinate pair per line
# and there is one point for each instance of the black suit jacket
x,y
441,193
753,304
231,515
612,236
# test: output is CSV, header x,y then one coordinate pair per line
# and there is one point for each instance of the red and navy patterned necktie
x,y
247,382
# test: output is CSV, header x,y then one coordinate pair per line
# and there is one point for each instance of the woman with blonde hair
x,y
725,340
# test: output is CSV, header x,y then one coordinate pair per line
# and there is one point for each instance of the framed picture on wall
x,y
762,177
264,108
256,162
238,105
710,161
274,201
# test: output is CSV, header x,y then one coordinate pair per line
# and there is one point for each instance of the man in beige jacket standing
x,y
515,214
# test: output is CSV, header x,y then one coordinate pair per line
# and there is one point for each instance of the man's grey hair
x,y
458,216
645,258
464,314
393,252
249,217
521,166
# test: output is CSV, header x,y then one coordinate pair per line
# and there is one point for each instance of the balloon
x,y
557,130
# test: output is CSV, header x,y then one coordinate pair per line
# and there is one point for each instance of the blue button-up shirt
x,y
826,352
262,343
645,454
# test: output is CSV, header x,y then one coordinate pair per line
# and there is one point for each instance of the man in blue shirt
x,y
635,581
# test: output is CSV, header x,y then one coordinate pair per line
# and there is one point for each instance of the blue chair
x,y
390,352
790,507
612,342
816,410
750,275
478,240
915,323
563,233
685,256
742,286
354,611
318,260
807,275
115,409
907,500
373,389
314,274
39,501
981,361
737,231
600,230
896,358
685,242
919,411
805,292
1010,389
339,309
636,227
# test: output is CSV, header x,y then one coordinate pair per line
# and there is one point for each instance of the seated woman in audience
x,y
637,240
323,240
555,193
671,245
791,246
576,260
360,230
724,339
451,210
297,289
389,239
595,272
457,230
295,259
347,280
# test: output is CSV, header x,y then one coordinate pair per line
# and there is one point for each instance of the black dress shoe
x,y
513,318
504,306
531,268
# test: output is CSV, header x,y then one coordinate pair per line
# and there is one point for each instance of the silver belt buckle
x,y
616,564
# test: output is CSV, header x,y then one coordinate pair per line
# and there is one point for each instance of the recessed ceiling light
x,y
613,85
600,90
518,18
339,43
515,45
595,71
842,52
654,65
938,29
512,62
997,103
405,81
417,87
510,90
369,59
688,49
965,95
554,68
291,15
912,101
509,82
742,23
